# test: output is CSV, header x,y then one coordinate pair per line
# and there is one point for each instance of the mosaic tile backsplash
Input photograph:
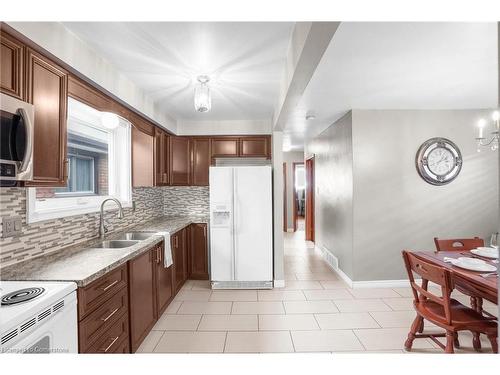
x,y
52,235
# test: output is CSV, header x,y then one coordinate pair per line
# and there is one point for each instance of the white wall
x,y
239,127
394,209
277,152
59,41
289,158
332,151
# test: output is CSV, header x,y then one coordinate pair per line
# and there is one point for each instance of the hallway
x,y
315,312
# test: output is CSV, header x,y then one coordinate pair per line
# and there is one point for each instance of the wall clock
x,y
438,161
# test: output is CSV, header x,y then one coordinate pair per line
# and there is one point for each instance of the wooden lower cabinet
x,y
198,251
164,290
142,291
179,254
117,311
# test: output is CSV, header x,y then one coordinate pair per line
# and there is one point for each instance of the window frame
x,y
120,184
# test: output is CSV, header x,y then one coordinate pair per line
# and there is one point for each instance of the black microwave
x,y
16,141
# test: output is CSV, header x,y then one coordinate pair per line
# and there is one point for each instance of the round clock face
x,y
438,161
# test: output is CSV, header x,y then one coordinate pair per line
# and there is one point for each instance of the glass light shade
x,y
202,99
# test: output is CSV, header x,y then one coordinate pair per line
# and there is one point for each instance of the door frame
x,y
309,222
294,197
285,206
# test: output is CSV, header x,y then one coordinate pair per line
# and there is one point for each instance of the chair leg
x,y
455,341
476,341
494,343
421,326
413,330
450,338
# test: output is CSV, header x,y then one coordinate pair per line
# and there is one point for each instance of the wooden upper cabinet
x,y
142,158
82,92
200,147
161,158
47,90
225,147
142,301
198,252
180,161
255,147
11,66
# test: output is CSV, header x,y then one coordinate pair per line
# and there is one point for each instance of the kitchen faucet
x,y
102,227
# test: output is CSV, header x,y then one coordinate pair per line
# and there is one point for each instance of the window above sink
x,y
99,155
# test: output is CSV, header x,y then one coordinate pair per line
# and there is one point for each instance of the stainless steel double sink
x,y
125,240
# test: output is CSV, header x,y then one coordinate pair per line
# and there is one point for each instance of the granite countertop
x,y
83,264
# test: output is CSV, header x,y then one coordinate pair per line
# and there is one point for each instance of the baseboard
x,y
279,283
333,262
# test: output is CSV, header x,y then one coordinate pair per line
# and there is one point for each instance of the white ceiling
x,y
244,60
399,66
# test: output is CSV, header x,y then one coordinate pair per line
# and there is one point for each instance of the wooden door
x,y
142,158
47,90
161,158
142,292
164,292
198,252
11,66
255,147
201,161
225,147
180,161
309,199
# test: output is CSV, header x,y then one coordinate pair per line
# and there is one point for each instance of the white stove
x,y
38,317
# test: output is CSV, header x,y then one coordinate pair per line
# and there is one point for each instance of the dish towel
x,y
167,259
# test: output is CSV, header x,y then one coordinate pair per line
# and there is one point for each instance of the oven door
x,y
16,140
59,334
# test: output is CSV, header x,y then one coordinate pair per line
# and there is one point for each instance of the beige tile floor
x,y
315,312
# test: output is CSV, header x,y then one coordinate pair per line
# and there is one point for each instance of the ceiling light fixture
x,y
310,116
110,120
202,98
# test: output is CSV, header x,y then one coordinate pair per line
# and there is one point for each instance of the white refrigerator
x,y
241,237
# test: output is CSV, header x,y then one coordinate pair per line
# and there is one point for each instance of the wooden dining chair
x,y
460,244
464,244
443,311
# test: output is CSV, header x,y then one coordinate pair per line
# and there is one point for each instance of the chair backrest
x,y
429,272
460,244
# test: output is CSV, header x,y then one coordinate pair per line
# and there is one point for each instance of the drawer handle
x,y
111,344
110,315
109,286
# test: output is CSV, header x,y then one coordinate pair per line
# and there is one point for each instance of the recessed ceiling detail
x,y
245,62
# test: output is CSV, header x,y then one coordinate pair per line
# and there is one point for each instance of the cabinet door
x,y
161,148
255,147
225,147
142,297
201,161
11,66
164,290
48,92
180,259
198,252
180,161
142,158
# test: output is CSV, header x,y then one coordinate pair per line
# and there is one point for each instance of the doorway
x,y
299,182
309,199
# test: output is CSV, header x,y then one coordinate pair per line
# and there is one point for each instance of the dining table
x,y
479,284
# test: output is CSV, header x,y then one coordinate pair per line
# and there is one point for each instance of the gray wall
x,y
289,158
334,187
394,209
370,201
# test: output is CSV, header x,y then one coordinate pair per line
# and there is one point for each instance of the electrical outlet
x,y
11,226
